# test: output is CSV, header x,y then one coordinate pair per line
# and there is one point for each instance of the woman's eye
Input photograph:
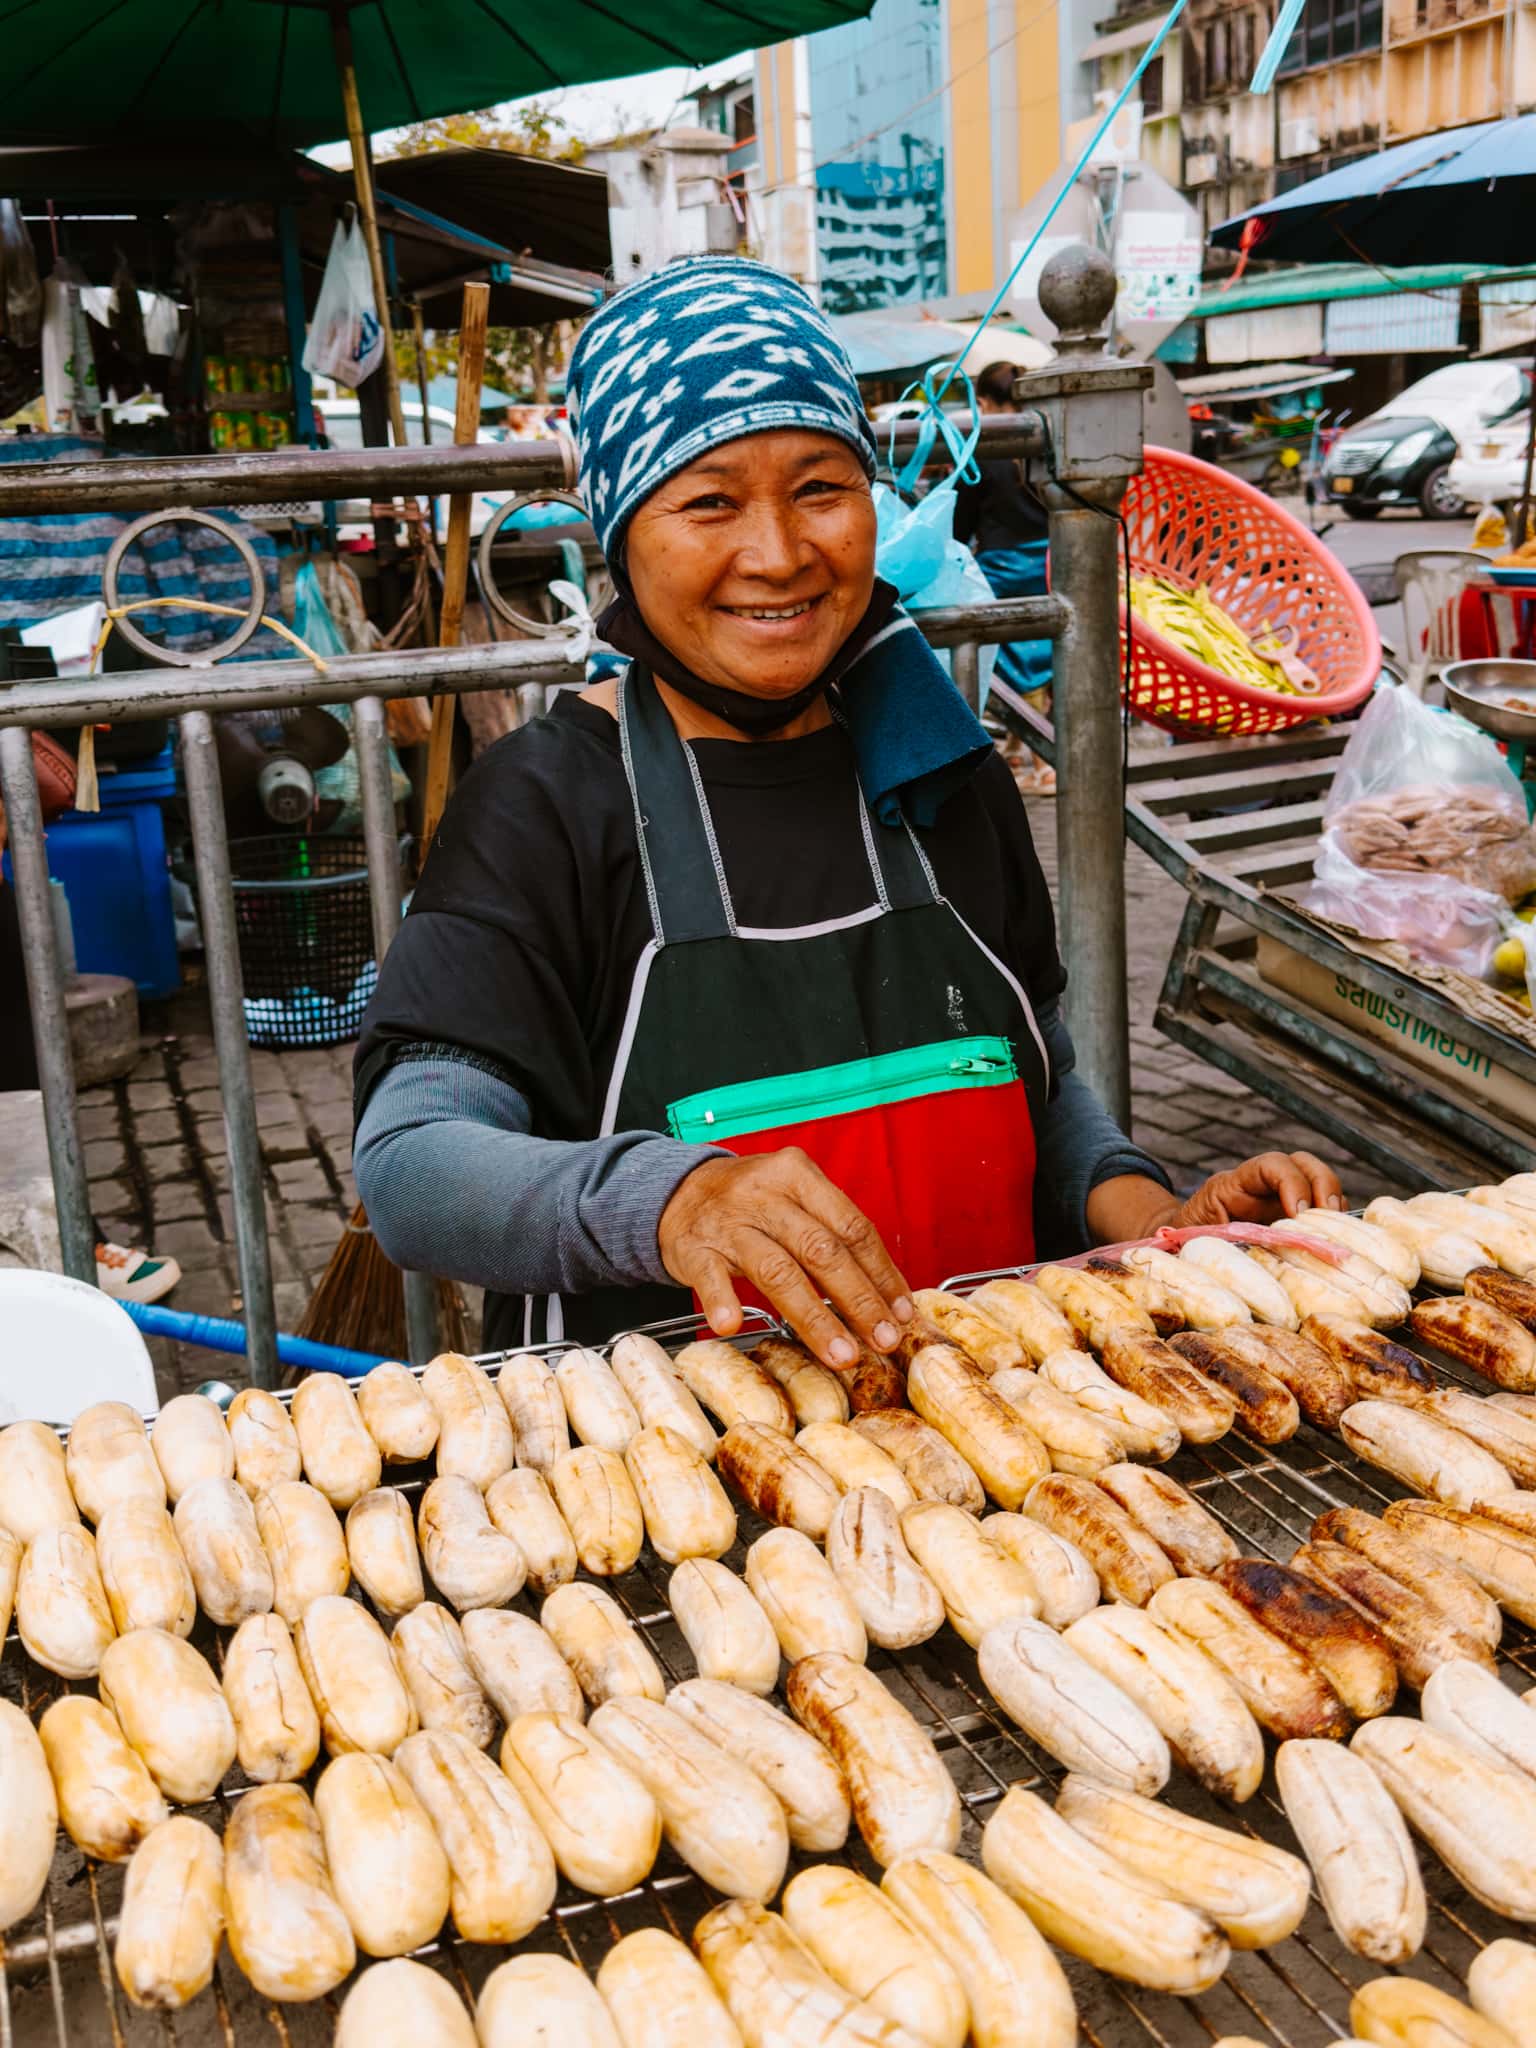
x,y
711,501
820,487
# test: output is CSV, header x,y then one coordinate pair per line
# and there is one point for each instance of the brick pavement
x,y
156,1153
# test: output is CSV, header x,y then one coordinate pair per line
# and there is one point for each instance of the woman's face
x,y
755,563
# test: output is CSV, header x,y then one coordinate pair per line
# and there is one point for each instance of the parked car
x,y
1402,455
1490,468
341,421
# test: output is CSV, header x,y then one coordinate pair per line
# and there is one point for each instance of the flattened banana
x,y
598,1409
1281,1690
863,1940
190,1440
903,1798
1354,1838
796,1768
932,1467
1501,1983
1402,2012
1502,1290
1378,1369
341,1460
1024,1312
265,1445
381,1549
1481,1335
970,1329
429,1653
518,1665
276,1727
1384,1302
1423,1453
1504,1433
1445,1256
1094,1906
595,1637
660,1995
597,1498
1066,1584
62,1615
173,1916
1507,1241
1315,1290
802,1597
1319,1385
474,1427
897,1602
1075,1440
956,1398
1187,1532
100,1791
598,1818
502,1870
1069,1708
1142,1430
541,1432
1417,1633
468,1559
1017,1991
980,1584
1091,1306
1471,1702
1392,1254
401,2004
1229,1264
1141,1287
1256,1893
1129,1564
732,1388
1501,1558
1336,1638
522,1507
1445,1586
304,1543
726,1629
1478,1817
397,1414
775,1990
685,1508
653,1384
850,1460
815,1394
1201,1715
1267,1410
1205,1302
387,1868
537,1999
1155,1371
772,1474
286,1927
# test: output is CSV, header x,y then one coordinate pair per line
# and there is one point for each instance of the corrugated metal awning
x,y
1135,36
1406,323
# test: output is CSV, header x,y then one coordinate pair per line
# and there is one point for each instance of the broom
x,y
359,1303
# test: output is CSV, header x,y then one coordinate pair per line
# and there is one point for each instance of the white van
x,y
340,419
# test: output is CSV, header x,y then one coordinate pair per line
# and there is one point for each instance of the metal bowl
x,y
1499,696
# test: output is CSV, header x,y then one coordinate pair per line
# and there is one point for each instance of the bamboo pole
x,y
466,429
362,179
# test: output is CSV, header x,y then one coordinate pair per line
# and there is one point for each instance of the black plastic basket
x,y
306,937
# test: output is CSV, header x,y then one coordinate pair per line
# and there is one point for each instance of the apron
x,y
891,1045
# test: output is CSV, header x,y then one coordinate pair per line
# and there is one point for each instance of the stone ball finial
x,y
1077,290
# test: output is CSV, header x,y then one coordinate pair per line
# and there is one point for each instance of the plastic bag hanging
x,y
346,337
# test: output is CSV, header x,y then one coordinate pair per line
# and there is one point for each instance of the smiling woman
x,y
737,975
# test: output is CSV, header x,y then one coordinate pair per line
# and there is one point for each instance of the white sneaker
x,y
134,1275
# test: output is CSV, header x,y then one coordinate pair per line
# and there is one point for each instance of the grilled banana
x,y
190,1440
600,1412
305,1546
874,1383
660,1996
732,1387
1353,1836
724,1626
1446,1587
970,1329
903,1798
897,1602
1516,1298
1256,1893
1515,1510
1199,1712
173,1916
595,1494
387,1867
978,1582
1281,1690
1478,1817
933,1468
1416,1632
62,1615
1501,1559
1144,1289
1392,1254
1509,1242
1519,1191
1384,1301
851,1460
1314,1290
430,1656
502,1870
1266,1409
717,1814
1445,1256
686,1510
1024,1312
1505,1433
1075,1440
772,1474
341,1460
474,1428
863,1940
1377,1368
1481,1335
381,1549
101,1792
1228,1263
1017,1991
402,2004
467,1558
518,1664
595,1637
286,1928
1501,1983
277,1730
1205,1303
1333,1636
540,1998
353,1680
1129,1563
1321,1387
795,1767
540,1431
397,1414
1401,2012
1470,1702
775,1990
1090,1305
803,1598
657,1392
1142,1430
1187,1533
1069,1708
522,1507
1155,1371
599,1820
1066,1584
1094,1906
956,1398
34,1484
815,1394
171,1708
1423,1453
143,1572
107,1459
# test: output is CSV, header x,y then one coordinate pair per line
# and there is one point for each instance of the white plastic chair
x,y
1430,583
64,1345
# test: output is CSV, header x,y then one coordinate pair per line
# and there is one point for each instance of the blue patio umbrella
x,y
1467,195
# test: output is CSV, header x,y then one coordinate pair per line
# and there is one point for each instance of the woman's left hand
x,y
1261,1190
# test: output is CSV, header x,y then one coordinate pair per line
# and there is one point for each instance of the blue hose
x,y
215,1333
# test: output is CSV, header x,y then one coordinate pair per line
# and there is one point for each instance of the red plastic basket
x,y
1192,523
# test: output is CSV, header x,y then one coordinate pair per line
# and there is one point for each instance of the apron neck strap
x,y
684,875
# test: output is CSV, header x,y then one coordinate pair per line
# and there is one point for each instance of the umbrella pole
x,y
466,431
1522,517
362,178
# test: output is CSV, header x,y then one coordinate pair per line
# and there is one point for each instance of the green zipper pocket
x,y
720,1113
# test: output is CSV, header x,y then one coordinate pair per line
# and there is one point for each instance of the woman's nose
x,y
773,544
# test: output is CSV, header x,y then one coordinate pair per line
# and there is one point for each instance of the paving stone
x,y
307,1226
97,1098
287,1142
333,1119
149,1066
143,1095
302,1180
166,1162
104,1157
200,1073
275,1106
290,1298
196,1044
206,1101
157,1127
211,1138
178,1200
97,1119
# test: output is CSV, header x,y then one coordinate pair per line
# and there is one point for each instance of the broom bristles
x,y
359,1300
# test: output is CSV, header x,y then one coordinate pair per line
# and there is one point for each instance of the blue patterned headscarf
x,y
698,354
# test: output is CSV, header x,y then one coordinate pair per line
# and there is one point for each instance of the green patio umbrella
x,y
305,71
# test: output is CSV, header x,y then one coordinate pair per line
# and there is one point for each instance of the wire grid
x,y
57,1985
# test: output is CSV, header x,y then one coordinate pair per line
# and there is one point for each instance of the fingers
x,y
780,1279
1327,1188
710,1278
825,1258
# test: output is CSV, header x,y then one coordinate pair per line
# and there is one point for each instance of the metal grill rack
x,y
57,1987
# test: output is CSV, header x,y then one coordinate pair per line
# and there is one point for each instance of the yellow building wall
x,y
969,155
1037,52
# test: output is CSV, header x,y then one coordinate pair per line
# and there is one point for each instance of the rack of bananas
x,y
1198,626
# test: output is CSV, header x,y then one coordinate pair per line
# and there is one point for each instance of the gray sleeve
x,y
1078,1144
456,1184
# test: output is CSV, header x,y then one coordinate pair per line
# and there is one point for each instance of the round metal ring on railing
x,y
539,629
157,650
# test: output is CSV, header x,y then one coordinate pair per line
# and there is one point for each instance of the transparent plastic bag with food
x,y
1426,837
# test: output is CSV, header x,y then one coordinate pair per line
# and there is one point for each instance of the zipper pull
x,y
974,1066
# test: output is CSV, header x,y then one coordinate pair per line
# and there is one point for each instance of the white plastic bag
x,y
346,340
1425,835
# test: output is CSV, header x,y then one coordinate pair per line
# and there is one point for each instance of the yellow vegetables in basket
x,y
1197,624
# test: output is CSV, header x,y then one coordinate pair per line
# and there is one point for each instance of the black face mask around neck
x,y
621,626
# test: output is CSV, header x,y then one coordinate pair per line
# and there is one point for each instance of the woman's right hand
x,y
775,1220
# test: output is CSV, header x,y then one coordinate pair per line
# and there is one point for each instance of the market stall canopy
x,y
1340,309
1468,193
898,344
81,70
1261,380
554,212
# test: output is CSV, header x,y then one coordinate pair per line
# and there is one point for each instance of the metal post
x,y
45,992
1092,407
216,897
967,672
370,739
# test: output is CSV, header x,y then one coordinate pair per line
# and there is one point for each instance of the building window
x,y
1152,87
1216,57
744,120
1332,29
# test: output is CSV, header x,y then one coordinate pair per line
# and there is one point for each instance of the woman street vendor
x,y
737,975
